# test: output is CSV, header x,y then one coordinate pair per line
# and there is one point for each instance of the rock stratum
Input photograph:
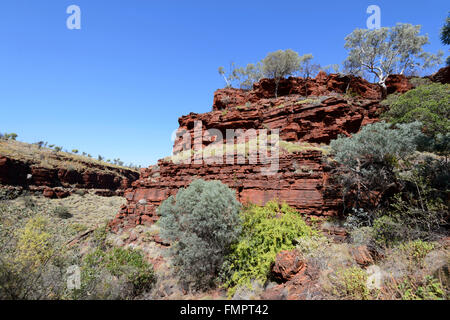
x,y
308,114
57,175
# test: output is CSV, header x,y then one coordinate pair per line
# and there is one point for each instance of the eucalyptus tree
x,y
386,51
249,75
280,64
445,35
307,68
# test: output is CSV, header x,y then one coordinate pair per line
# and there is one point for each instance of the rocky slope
x,y
58,174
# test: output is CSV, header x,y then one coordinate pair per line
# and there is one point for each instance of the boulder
x,y
442,76
362,255
288,263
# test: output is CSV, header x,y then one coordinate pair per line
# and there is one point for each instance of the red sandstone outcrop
x,y
322,85
301,181
442,76
61,182
315,120
335,105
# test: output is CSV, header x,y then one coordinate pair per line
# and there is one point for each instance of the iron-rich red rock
x,y
288,263
362,255
60,182
336,105
300,181
312,110
442,76
324,84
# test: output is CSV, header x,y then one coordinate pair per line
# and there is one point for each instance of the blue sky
x,y
117,86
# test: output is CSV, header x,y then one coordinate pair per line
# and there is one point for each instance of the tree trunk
x,y
306,87
277,81
383,89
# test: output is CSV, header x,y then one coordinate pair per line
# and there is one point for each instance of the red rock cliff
x,y
302,179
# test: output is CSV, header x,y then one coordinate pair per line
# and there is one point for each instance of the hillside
x,y
58,174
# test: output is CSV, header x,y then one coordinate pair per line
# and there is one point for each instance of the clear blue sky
x,y
117,86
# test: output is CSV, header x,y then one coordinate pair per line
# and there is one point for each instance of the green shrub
x,y
131,264
62,212
429,104
34,244
9,193
387,230
201,223
368,160
417,250
115,273
436,174
350,283
32,263
266,231
417,82
413,218
8,136
377,142
29,202
362,236
427,289
99,237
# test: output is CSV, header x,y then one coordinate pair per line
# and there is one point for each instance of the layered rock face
x,y
313,120
322,85
300,180
61,182
335,105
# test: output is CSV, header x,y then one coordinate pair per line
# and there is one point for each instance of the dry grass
x,y
87,212
246,148
309,101
295,147
49,158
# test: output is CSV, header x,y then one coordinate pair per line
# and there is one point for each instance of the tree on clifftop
x,y
445,35
280,64
386,51
243,77
308,69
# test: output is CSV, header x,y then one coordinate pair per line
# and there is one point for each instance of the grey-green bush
x,y
201,223
368,160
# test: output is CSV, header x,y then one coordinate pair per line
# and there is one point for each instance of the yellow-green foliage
x,y
417,250
266,231
34,244
126,264
429,289
350,283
